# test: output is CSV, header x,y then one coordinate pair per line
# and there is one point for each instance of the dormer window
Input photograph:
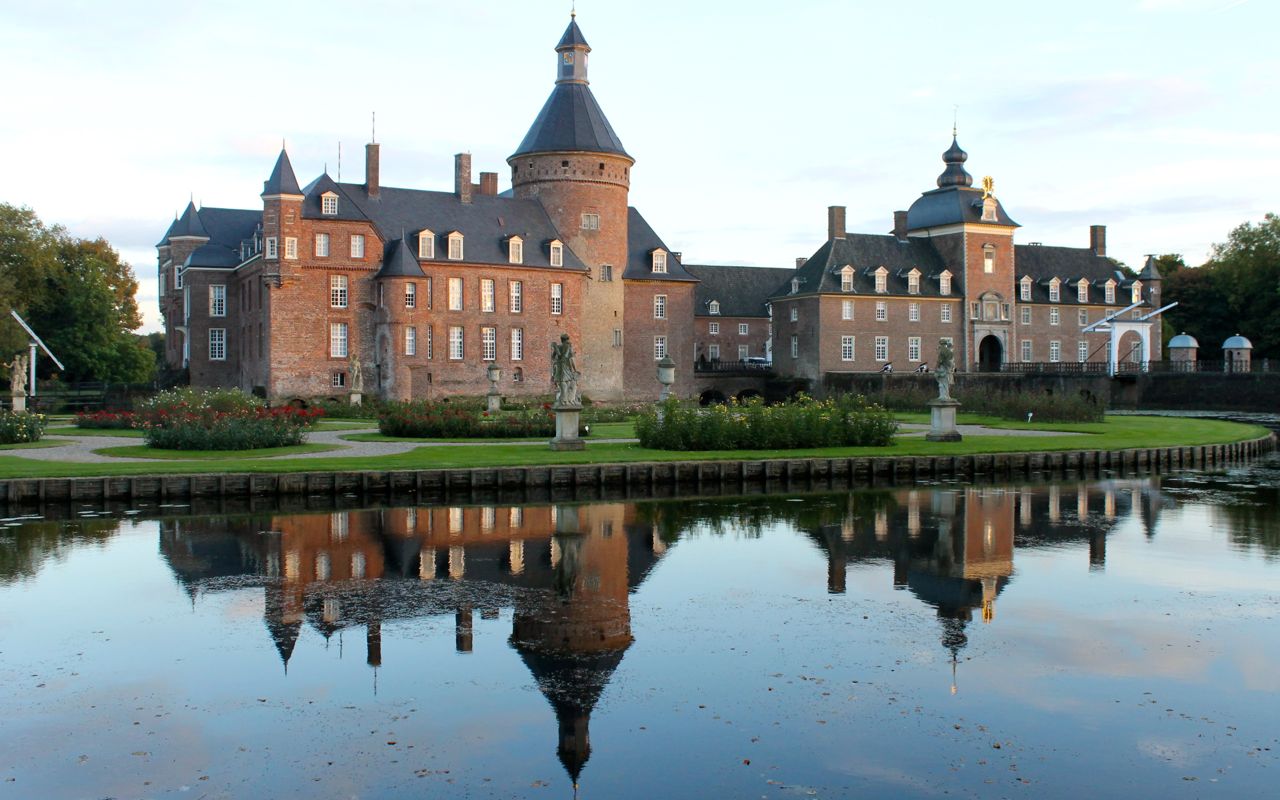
x,y
882,280
1082,290
1024,290
329,204
988,258
1109,289
426,244
455,246
713,307
1055,290
913,282
795,285
846,278
557,255
944,282
660,261
515,250
1136,292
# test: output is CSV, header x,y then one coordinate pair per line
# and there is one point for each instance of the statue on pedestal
x,y
18,381
357,378
942,409
564,374
946,369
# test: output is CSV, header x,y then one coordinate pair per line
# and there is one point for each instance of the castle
x,y
334,289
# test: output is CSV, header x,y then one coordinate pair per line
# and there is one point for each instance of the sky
x,y
1156,118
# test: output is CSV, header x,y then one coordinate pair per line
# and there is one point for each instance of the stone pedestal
x,y
567,428
495,402
942,421
356,397
19,402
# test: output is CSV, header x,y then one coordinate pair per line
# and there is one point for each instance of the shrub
x,y
803,423
221,419
369,408
422,419
17,427
110,420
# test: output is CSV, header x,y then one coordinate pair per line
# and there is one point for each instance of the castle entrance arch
x,y
990,354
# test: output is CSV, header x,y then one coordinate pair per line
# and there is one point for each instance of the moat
x,y
1111,637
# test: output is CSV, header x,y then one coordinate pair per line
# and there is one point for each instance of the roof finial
x,y
573,9
373,127
339,162
955,119
282,144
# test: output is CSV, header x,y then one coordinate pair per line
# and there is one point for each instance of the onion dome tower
x,y
573,163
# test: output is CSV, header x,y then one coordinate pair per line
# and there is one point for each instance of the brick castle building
x,y
407,293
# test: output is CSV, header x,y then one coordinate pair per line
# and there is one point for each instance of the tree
x,y
1236,291
77,294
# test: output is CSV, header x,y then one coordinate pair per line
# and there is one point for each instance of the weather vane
x,y
988,187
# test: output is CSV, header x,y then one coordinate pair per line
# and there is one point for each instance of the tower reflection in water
x,y
567,570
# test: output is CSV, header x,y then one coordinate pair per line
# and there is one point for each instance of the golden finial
x,y
988,187
573,10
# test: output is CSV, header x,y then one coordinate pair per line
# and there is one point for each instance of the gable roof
x,y
1069,264
641,242
866,252
740,291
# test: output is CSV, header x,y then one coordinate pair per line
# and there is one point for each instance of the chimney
x,y
835,222
371,169
800,262
462,176
1098,239
677,255
489,183
900,225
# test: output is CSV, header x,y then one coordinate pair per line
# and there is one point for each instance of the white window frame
x,y
488,294
882,311
557,254
882,281
217,344
1083,317
659,347
431,342
557,299
713,352
457,343
590,221
743,352
488,343
515,250
1028,351
339,340
846,279
913,348
357,245
217,300
411,295
270,251
426,244
795,313
1055,291
517,344
339,291
456,296
659,306
1110,292
1025,313
659,262
945,312
1082,291
410,341
1135,295
744,328
322,245
847,348
291,248
1082,351
338,379
795,346
515,297
713,328
329,204
913,282
1055,317
1024,289
913,312
988,259
456,250
882,348
944,283
846,309
606,273
713,307
1055,351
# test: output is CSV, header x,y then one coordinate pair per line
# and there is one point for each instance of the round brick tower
x,y
574,165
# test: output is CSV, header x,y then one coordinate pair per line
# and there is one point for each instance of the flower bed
x,y
221,419
849,421
19,427
423,420
108,420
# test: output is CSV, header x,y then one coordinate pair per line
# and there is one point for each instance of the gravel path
x,y
79,449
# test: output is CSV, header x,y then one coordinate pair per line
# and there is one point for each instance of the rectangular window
x,y
882,281
489,344
945,312
795,346
382,294
1026,315
846,309
659,347
557,255
659,306
882,348
846,280
455,294
517,344
913,348
1026,351
913,312
1055,352
988,260
411,295
591,222
1024,292
1055,292
455,343
217,300
515,252
357,245
455,247
431,342
271,252
713,328
1054,316
659,261
1082,351
744,328
410,341
426,245
328,204
1110,294
338,380
486,294
338,291
1083,317
944,283
1082,291
913,283
606,273
795,314
743,352
322,245
217,344
846,348
337,340
290,247
617,337
557,298
713,352
882,311
515,296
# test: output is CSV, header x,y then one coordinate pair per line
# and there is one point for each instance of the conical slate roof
x,y
1149,271
572,121
573,36
282,180
188,224
399,261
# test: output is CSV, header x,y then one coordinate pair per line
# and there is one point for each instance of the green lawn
x,y
34,445
600,430
72,430
1116,433
142,451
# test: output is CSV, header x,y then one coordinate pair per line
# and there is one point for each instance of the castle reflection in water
x,y
567,570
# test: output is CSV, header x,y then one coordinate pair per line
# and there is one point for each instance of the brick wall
x,y
640,327
729,339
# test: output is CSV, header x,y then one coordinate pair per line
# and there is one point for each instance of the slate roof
x,y
1069,265
573,37
188,224
485,222
641,242
571,120
225,228
213,255
1150,272
866,253
951,205
400,260
740,291
282,180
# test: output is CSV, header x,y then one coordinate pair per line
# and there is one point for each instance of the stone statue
x,y
946,369
564,374
357,378
18,375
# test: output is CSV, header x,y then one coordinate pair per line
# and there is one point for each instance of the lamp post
x,y
494,373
